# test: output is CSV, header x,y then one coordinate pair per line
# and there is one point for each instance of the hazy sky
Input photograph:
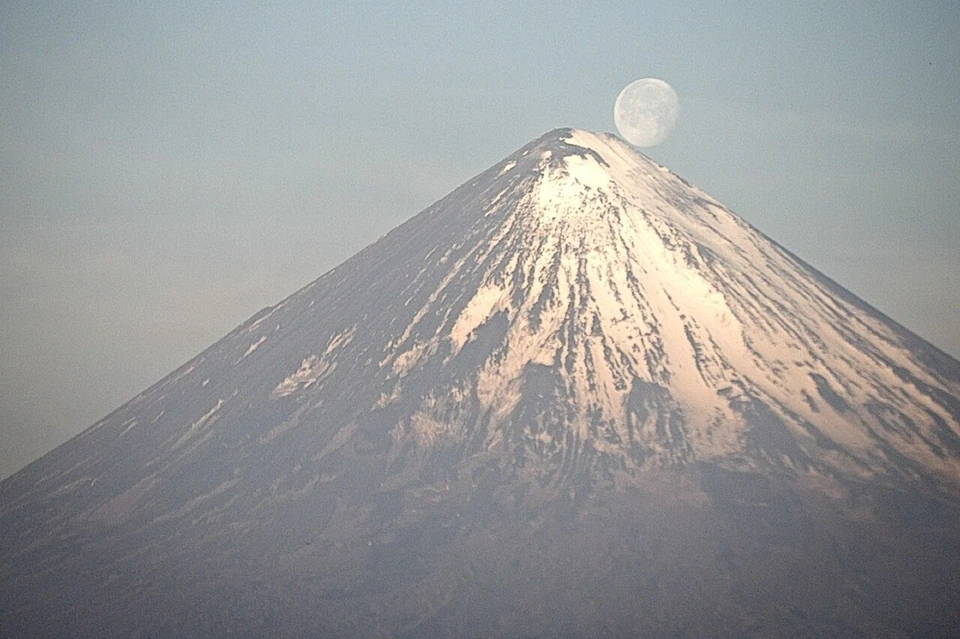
x,y
169,168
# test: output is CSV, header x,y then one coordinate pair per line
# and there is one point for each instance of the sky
x,y
169,168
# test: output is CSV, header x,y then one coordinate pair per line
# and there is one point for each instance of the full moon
x,y
646,111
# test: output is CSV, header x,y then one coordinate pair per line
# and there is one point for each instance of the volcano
x,y
575,397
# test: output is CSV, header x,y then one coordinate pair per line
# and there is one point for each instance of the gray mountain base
x,y
576,397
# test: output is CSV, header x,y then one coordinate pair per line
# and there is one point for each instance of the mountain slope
x,y
574,336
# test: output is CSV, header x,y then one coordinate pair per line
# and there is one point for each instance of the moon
x,y
646,111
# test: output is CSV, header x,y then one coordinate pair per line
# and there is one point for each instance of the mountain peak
x,y
556,146
569,136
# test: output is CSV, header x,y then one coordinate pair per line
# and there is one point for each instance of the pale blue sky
x,y
168,168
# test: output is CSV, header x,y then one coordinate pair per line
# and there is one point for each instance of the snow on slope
x,y
576,308
628,282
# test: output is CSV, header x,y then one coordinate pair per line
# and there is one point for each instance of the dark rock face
x,y
576,397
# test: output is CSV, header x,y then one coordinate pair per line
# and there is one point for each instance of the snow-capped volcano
x,y
575,321
650,323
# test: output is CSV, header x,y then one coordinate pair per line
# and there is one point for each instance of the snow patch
x,y
586,140
587,171
311,370
492,207
478,310
340,340
404,362
255,346
426,429
198,426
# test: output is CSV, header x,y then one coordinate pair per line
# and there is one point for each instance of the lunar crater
x,y
646,112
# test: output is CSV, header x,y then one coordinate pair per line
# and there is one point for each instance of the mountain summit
x,y
575,396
